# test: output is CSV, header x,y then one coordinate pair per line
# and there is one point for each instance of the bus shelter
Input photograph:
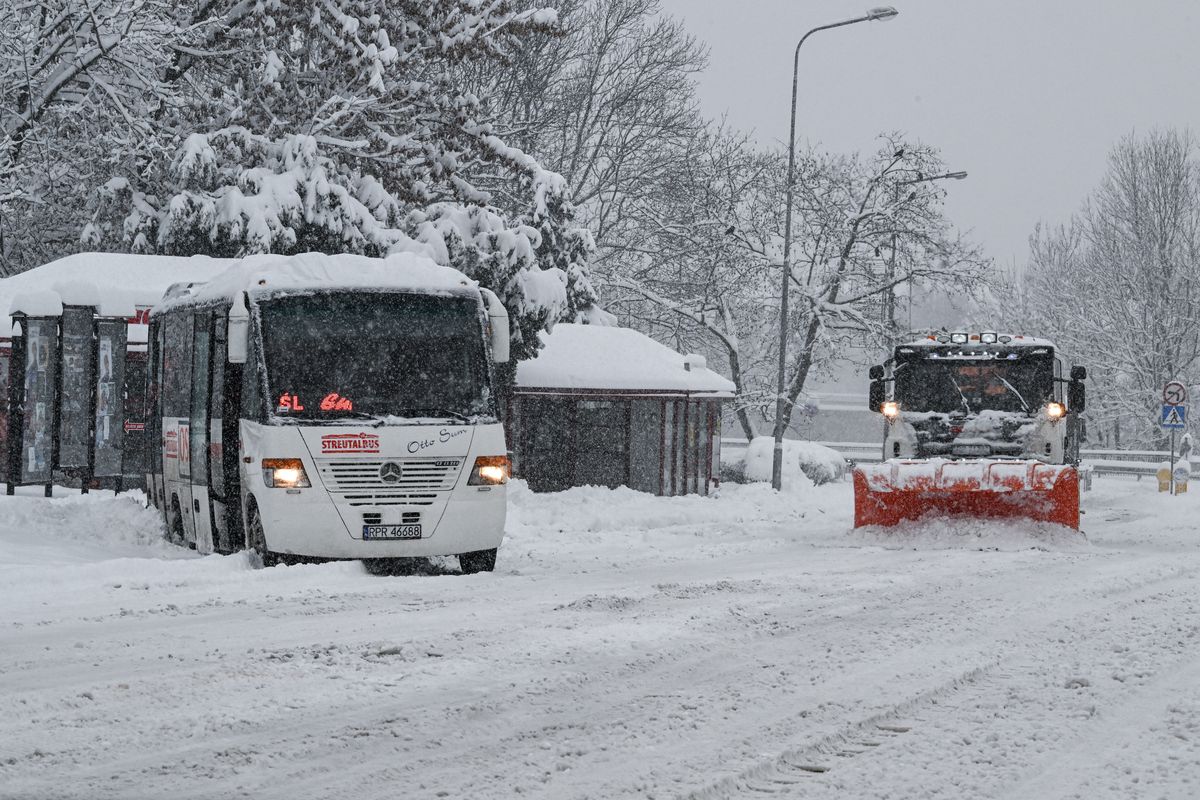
x,y
608,406
85,313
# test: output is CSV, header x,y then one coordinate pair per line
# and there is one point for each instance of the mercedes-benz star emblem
x,y
390,472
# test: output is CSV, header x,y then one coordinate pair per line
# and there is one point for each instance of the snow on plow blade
x,y
888,493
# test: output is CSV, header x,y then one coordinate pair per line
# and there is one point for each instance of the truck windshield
x,y
998,381
374,354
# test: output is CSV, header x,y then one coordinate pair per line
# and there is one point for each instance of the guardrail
x,y
1101,462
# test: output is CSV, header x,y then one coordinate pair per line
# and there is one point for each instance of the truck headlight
x,y
285,473
489,471
1055,411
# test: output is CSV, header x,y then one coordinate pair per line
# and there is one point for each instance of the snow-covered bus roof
x,y
602,358
118,283
265,275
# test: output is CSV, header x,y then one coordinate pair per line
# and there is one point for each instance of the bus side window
x,y
177,366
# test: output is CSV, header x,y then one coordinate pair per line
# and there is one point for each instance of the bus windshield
x,y
374,354
1001,381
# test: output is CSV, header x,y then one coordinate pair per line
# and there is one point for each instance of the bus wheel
x,y
257,544
477,561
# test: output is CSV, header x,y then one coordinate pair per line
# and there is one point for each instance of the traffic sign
x,y
1174,393
1174,416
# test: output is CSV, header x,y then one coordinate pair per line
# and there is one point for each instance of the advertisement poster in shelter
x,y
74,423
110,398
37,441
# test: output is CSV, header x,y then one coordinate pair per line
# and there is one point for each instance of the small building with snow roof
x,y
610,406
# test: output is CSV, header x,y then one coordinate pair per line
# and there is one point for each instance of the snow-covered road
x,y
626,647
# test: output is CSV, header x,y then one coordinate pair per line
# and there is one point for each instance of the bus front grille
x,y
389,481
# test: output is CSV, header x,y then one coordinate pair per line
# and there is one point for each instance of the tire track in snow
x,y
803,769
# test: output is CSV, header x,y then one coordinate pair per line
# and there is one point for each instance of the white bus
x,y
334,407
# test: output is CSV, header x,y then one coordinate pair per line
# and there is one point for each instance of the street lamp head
x,y
958,176
881,13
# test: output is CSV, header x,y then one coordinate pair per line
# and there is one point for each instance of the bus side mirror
x,y
1078,373
876,372
498,320
876,396
1076,393
238,330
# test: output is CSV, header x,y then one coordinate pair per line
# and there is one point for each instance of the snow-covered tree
x,y
609,104
79,89
1118,287
710,261
343,126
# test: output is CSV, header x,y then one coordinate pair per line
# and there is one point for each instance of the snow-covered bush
x,y
804,463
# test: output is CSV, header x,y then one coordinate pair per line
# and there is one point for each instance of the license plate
x,y
391,531
972,450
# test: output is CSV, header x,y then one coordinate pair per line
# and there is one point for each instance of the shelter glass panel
x,y
41,375
75,404
5,364
645,445
668,448
110,398
601,449
547,443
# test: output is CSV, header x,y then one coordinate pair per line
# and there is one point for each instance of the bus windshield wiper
x,y
433,411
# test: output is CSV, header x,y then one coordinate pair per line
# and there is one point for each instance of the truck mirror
x,y
238,333
1078,373
876,372
1076,394
498,323
876,395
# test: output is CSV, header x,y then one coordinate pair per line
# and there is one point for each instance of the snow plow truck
x,y
976,425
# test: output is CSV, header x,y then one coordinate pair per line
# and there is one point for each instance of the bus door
x,y
200,513
176,392
154,415
219,489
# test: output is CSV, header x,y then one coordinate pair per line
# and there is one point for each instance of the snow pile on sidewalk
x,y
79,528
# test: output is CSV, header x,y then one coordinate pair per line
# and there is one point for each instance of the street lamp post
x,y
889,299
881,13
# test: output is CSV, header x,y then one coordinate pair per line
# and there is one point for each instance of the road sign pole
x,y
1172,462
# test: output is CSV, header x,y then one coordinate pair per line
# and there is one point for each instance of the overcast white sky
x,y
1028,96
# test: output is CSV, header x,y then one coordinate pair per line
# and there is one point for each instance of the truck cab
x,y
979,395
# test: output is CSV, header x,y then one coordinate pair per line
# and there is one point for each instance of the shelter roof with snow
x,y
593,358
118,283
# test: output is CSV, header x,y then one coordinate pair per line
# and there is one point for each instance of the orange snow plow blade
x,y
894,491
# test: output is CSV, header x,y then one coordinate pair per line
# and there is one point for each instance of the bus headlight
x,y
890,409
489,471
285,473
1055,411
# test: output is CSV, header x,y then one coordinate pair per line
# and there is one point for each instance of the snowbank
x,y
804,463
77,528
